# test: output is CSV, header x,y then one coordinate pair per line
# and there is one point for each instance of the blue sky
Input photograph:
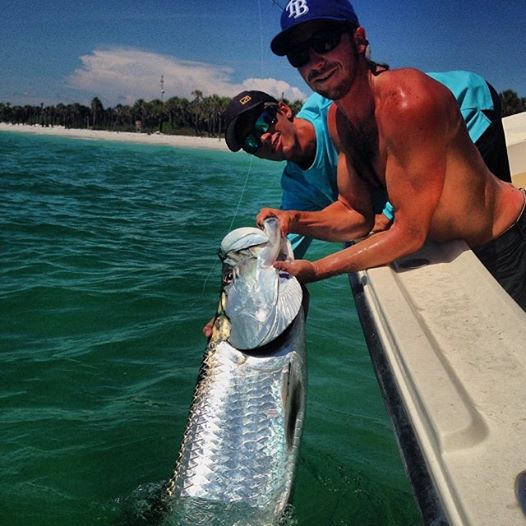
x,y
71,51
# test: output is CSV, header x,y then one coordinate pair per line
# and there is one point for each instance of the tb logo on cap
x,y
297,8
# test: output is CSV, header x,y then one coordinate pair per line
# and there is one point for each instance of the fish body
x,y
239,452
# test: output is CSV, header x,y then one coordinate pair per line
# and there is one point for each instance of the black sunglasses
x,y
261,125
322,42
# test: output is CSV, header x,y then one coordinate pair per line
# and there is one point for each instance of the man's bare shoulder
x,y
409,97
407,88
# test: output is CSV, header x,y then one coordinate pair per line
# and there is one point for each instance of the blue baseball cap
x,y
298,12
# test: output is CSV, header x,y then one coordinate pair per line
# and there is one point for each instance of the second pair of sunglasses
x,y
262,125
321,42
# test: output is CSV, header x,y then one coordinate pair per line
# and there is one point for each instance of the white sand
x,y
144,138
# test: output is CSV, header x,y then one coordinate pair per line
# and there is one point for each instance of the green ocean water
x,y
108,273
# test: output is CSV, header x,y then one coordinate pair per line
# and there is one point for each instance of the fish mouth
x,y
260,301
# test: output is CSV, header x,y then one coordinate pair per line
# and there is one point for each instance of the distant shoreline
x,y
183,141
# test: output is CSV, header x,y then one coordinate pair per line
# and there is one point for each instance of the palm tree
x,y
157,114
61,114
5,112
214,108
177,110
123,117
197,110
140,114
97,113
201,114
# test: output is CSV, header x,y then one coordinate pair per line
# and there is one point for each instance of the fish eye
x,y
228,277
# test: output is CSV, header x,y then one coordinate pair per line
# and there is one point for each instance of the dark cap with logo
x,y
298,12
241,104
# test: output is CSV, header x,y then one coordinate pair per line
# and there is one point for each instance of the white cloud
x,y
276,88
125,75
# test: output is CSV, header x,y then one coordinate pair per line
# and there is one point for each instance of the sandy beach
x,y
514,128
182,141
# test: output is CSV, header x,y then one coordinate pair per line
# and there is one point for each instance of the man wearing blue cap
x,y
401,131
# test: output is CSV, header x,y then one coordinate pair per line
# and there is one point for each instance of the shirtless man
x,y
400,130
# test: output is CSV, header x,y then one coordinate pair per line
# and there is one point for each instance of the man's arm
x,y
336,222
415,131
299,193
350,217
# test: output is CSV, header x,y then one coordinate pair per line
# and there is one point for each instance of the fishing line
x,y
247,176
243,190
251,159
261,75
260,40
234,217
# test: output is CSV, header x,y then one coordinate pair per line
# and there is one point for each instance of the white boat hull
x,y
451,352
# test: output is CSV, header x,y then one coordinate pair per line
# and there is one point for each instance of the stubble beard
x,y
335,89
343,79
335,92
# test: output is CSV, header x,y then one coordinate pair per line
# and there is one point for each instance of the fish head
x,y
259,301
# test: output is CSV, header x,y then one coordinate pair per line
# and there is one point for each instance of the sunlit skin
x,y
332,74
289,139
293,139
402,130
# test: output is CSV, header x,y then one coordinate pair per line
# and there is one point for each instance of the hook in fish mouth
x,y
260,302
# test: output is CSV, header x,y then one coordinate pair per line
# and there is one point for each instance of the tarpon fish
x,y
239,452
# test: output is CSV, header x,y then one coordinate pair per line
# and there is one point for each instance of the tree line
x,y
200,116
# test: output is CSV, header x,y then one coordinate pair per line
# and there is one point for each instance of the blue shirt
x,y
473,97
316,187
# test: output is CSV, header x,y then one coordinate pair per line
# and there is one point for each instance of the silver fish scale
x,y
237,446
